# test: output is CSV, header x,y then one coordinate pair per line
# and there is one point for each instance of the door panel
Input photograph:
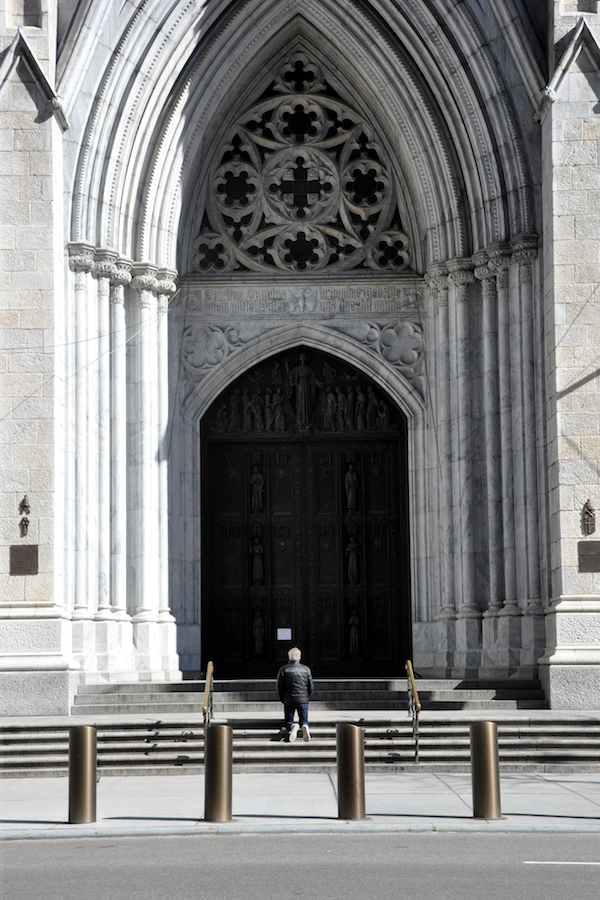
x,y
308,532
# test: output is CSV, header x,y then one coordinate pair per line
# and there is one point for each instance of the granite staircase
x,y
145,728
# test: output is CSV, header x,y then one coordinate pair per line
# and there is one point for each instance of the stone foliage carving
x,y
401,344
300,185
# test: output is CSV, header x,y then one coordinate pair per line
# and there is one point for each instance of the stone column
x,y
461,277
524,251
81,262
103,271
438,282
143,531
165,290
510,605
486,274
120,277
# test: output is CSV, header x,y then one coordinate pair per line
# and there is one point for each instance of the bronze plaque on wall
x,y
589,556
24,559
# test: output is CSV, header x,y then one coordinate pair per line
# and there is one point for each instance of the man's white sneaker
x,y
306,732
294,733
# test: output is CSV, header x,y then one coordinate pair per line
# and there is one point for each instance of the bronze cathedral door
x,y
305,535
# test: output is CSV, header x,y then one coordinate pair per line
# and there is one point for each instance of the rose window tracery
x,y
299,185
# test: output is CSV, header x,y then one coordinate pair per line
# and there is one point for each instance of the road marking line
x,y
535,862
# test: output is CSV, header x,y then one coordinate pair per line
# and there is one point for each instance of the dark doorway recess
x,y
305,522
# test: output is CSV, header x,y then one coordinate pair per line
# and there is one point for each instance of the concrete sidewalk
x,y
302,802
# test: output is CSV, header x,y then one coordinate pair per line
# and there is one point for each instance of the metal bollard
x,y
484,770
218,773
350,771
82,774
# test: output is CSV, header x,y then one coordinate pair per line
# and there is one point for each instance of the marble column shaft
x,y
118,439
103,270
492,439
460,279
165,289
143,544
444,444
81,262
509,606
533,586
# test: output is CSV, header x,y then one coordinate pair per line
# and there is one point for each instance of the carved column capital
x,y
121,274
81,257
460,274
144,282
524,247
437,280
104,263
165,288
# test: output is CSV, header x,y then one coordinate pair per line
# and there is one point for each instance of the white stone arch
x,y
186,462
176,68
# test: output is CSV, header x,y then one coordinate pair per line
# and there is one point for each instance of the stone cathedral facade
x,y
301,341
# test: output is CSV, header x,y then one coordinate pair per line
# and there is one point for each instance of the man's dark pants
x,y
289,710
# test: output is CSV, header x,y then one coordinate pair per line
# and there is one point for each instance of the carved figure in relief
x,y
269,409
372,409
257,483
352,551
221,421
278,417
349,409
235,415
258,571
329,372
257,411
383,416
354,624
351,487
303,381
258,632
329,417
360,411
248,415
589,518
340,410
24,523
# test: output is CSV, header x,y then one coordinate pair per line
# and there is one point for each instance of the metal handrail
x,y
414,705
207,709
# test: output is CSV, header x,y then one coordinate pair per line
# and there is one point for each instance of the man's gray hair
x,y
294,655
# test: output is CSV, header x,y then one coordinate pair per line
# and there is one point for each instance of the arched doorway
x,y
305,537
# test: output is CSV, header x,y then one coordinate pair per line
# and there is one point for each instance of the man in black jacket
x,y
294,686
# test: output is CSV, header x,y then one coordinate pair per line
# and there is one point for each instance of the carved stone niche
x,y
303,391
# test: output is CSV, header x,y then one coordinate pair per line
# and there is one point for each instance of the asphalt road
x,y
323,867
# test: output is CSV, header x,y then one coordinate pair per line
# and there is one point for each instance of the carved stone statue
x,y
383,416
278,417
352,551
351,487
258,632
360,411
372,409
269,409
221,422
258,570
354,624
257,482
257,411
235,415
248,415
329,417
303,381
349,409
24,523
340,410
